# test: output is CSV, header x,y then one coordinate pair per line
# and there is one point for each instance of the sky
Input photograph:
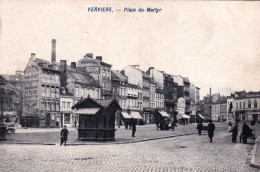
x,y
214,44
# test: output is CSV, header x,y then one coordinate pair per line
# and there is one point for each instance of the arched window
x,y
255,104
249,104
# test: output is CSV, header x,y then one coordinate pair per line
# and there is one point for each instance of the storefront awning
x,y
201,116
87,111
252,113
185,116
136,115
125,115
164,114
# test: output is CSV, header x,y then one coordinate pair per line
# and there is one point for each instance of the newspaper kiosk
x,y
96,119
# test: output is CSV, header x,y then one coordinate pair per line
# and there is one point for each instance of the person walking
x,y
133,127
234,133
211,128
229,126
173,125
199,127
64,135
245,132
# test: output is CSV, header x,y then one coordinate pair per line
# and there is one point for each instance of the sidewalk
x,y
122,136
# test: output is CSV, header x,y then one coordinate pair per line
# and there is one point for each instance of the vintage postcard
x,y
153,85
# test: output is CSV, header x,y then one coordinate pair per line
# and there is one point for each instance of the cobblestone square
x,y
184,153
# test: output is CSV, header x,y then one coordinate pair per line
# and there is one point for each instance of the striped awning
x,y
87,111
164,114
125,115
136,115
201,116
185,116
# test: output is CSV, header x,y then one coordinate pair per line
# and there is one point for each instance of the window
x,y
57,106
244,105
255,104
68,104
43,104
77,91
240,105
249,104
48,91
66,118
63,104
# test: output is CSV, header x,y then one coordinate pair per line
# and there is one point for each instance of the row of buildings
x,y
50,88
238,106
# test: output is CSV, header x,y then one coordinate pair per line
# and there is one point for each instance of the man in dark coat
x,y
211,128
234,133
199,127
134,122
64,135
246,131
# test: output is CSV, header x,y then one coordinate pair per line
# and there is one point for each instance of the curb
x,y
109,143
252,162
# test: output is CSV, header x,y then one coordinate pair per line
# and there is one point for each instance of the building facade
x,y
100,71
41,99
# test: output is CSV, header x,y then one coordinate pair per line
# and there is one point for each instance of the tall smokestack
x,y
210,91
53,50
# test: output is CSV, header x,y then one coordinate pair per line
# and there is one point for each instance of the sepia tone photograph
x,y
115,86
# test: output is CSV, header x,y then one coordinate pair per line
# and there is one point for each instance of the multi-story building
x,y
148,112
41,99
100,71
119,92
247,106
66,102
186,90
223,109
135,90
169,91
76,85
215,111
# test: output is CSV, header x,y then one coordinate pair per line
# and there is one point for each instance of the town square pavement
x,y
143,133
183,153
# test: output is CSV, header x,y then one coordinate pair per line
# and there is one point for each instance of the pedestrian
x,y
234,133
64,135
229,126
246,131
75,123
199,127
133,127
126,124
173,125
211,128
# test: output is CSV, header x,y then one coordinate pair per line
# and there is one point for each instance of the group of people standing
x,y
246,131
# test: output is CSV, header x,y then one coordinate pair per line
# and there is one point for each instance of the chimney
x,y
73,65
63,65
90,55
33,55
99,58
53,50
210,91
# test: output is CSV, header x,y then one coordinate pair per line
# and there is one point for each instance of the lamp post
x,y
4,96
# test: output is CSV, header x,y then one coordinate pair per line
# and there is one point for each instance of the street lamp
x,y
4,96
